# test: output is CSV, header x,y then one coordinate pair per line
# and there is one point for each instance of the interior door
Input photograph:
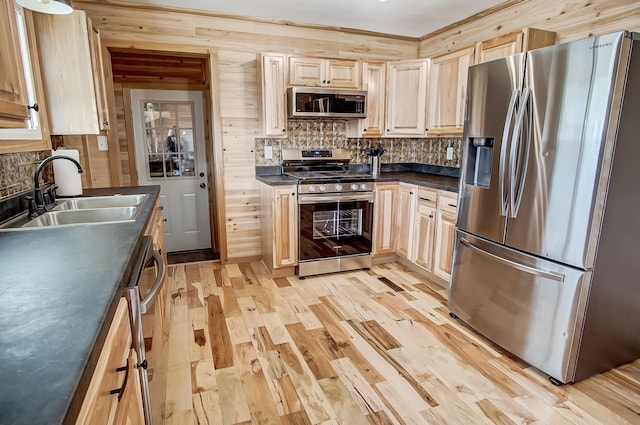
x,y
493,93
170,151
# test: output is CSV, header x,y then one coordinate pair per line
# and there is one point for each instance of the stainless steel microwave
x,y
316,102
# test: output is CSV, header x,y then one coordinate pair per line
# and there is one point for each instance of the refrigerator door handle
x,y
522,267
506,137
515,152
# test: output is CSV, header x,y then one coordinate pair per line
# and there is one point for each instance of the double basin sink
x,y
91,210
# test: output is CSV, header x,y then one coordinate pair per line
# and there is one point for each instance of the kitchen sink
x,y
100,202
84,216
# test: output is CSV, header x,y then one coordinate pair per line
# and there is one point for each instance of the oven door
x,y
334,225
146,281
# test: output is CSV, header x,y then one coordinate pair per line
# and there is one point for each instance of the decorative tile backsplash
x,y
17,169
332,134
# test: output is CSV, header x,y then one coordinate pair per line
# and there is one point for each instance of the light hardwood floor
x,y
365,347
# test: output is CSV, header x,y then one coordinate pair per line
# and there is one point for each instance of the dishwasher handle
x,y
148,299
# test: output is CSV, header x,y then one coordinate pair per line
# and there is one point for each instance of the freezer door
x,y
562,149
493,94
531,307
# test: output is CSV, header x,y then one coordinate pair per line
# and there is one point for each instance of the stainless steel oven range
x,y
335,210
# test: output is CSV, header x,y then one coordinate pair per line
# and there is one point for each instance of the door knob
x,y
201,174
202,185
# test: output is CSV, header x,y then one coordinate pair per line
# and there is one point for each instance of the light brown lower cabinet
x,y
114,391
384,218
424,228
279,227
130,410
406,210
445,234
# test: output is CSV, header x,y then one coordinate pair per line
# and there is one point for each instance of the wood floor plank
x,y
250,313
256,389
331,319
244,348
345,408
233,401
311,352
206,406
311,396
219,337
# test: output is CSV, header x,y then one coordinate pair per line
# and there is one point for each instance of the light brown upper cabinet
x,y
74,81
13,89
22,128
324,72
374,82
273,96
447,91
407,97
510,44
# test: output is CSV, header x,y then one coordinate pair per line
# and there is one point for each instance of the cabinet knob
x,y
105,123
35,107
284,130
328,81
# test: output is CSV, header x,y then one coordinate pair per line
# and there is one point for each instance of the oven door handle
x,y
336,197
148,299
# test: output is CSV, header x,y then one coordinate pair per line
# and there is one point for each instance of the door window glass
x,y
169,139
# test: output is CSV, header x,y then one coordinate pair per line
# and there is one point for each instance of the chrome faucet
x,y
38,199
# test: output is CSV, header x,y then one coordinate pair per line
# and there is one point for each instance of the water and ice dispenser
x,y
479,158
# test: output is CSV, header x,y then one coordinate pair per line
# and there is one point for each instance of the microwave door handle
x,y
504,201
516,152
148,299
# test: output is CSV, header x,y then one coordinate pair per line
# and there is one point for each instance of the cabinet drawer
x,y
100,405
448,202
427,197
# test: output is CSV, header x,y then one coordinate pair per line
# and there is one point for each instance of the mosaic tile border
x,y
17,169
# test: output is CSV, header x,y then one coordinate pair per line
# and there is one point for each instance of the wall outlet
x,y
268,152
449,153
103,144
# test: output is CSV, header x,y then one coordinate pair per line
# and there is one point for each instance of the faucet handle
x,y
51,192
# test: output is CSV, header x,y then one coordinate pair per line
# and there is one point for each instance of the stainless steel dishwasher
x,y
141,292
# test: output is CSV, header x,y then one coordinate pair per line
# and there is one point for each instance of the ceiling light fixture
x,y
52,7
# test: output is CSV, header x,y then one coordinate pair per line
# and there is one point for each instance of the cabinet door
x,y
407,97
65,58
100,405
445,234
13,91
425,225
306,72
97,63
384,218
285,222
510,44
273,95
374,82
130,410
424,228
342,74
406,206
447,91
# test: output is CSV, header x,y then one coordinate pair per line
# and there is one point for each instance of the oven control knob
x,y
322,188
338,187
363,186
312,188
354,186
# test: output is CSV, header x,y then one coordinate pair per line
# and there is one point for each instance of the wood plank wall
x,y
237,43
570,19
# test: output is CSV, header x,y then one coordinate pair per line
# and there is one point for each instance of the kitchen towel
x,y
65,173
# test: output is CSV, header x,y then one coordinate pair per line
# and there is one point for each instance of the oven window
x,y
337,224
335,229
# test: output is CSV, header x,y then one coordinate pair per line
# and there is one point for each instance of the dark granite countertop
x,y
59,287
435,181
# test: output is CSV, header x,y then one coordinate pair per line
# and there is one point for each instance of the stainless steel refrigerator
x,y
547,257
